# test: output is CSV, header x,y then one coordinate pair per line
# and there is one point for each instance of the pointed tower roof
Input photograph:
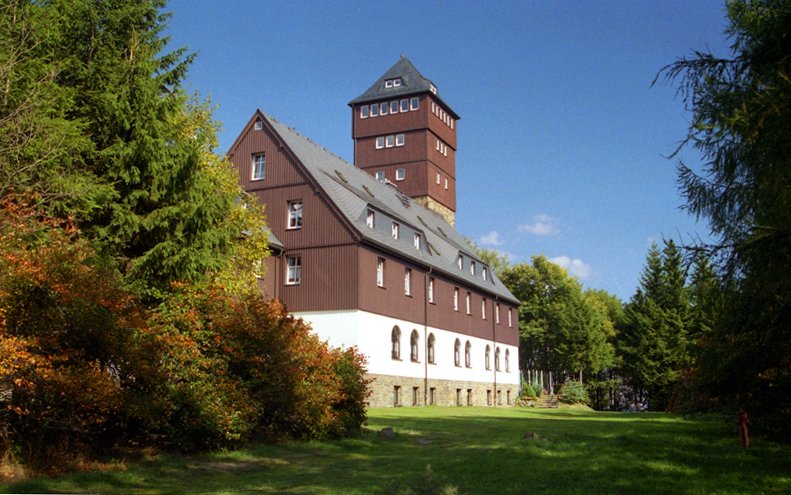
x,y
412,83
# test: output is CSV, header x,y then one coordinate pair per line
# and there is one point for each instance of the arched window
x,y
507,360
457,353
467,350
497,359
431,341
488,352
413,350
395,337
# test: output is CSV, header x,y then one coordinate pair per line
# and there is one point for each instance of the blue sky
x,y
562,140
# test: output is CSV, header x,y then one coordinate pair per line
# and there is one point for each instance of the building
x,y
369,255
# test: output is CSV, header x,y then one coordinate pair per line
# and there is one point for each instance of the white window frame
x,y
446,183
380,142
431,290
472,268
380,272
400,139
460,262
396,82
439,178
393,107
293,270
483,308
374,110
389,83
485,273
497,313
395,230
416,240
370,219
383,108
455,298
294,215
414,104
400,174
364,112
407,282
404,105
389,141
255,166
259,125
380,175
510,319
469,303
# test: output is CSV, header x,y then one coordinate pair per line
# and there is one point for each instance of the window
x,y
446,183
507,360
383,107
469,396
415,396
497,313
380,272
407,282
416,240
389,141
509,318
460,262
396,395
458,396
437,146
400,173
259,166
364,112
394,230
431,343
389,83
508,397
439,178
394,106
405,105
414,103
486,358
293,270
397,82
380,142
258,125
374,110
472,268
455,298
497,359
457,353
484,273
499,397
399,138
294,214
432,88
467,353
483,308
431,290
469,301
370,219
432,392
380,175
395,340
488,397
413,346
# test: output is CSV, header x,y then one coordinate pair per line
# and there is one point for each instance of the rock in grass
x,y
531,435
387,433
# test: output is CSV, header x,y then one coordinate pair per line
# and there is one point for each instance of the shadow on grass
x,y
484,450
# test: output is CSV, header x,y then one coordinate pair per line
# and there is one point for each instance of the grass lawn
x,y
481,450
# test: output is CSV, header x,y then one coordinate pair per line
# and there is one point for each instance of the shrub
x,y
573,392
426,484
528,392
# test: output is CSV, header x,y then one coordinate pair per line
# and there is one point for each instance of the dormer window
x,y
258,125
432,88
370,219
395,230
472,268
393,83
485,273
417,240
460,262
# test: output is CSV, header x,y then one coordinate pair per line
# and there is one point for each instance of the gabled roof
x,y
354,192
412,83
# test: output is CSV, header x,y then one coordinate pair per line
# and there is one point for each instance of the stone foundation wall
x,y
398,391
436,206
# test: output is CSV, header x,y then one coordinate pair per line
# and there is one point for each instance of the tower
x,y
406,134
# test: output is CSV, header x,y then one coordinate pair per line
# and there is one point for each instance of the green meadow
x,y
474,450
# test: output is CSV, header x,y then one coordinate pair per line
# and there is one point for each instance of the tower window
x,y
431,290
374,110
293,270
383,108
389,141
438,178
294,214
446,183
400,173
259,166
414,103
404,105
407,282
380,142
380,175
258,125
469,303
456,299
394,106
364,112
399,139
380,272
483,309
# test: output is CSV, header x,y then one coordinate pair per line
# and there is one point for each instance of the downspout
x,y
494,345
425,335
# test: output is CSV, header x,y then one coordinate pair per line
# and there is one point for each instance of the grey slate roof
x,y
354,192
412,83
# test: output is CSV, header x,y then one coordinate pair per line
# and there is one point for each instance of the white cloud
x,y
576,267
490,239
542,225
